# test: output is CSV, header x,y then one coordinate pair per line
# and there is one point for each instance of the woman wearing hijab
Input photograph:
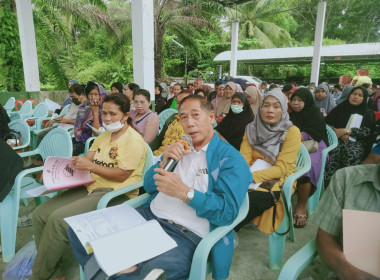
x,y
232,127
354,143
308,118
218,97
345,94
271,138
254,98
324,99
89,116
224,104
159,100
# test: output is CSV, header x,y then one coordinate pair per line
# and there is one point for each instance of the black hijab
x,y
309,119
232,127
340,115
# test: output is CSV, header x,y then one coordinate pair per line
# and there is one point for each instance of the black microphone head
x,y
188,140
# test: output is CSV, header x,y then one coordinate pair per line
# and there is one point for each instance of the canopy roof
x,y
336,53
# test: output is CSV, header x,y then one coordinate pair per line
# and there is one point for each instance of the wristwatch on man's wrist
x,y
189,195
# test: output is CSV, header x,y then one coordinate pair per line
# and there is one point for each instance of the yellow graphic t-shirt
x,y
127,152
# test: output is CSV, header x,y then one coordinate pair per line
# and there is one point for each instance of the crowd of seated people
x,y
262,123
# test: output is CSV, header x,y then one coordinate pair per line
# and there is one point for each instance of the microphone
x,y
171,163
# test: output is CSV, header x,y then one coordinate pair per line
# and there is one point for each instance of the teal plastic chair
x,y
9,105
15,116
277,242
201,265
314,199
103,202
41,111
25,110
22,127
56,143
299,261
41,120
164,115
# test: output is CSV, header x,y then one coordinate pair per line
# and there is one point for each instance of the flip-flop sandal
x,y
299,217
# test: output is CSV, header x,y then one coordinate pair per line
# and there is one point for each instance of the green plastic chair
x,y
201,264
22,127
299,261
10,105
277,242
164,115
314,199
56,143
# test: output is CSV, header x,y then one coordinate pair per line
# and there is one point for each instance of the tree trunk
x,y
158,58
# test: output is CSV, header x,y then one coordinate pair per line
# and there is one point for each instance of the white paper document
x,y
256,166
59,174
120,237
361,242
355,121
52,106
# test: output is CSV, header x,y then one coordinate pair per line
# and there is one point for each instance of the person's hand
x,y
345,138
95,104
49,123
82,163
170,183
339,132
268,184
175,151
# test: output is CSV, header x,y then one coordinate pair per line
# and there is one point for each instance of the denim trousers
x,y
176,262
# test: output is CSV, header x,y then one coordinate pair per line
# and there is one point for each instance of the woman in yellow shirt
x,y
273,138
116,159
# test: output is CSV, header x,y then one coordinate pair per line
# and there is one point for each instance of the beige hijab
x,y
254,92
225,103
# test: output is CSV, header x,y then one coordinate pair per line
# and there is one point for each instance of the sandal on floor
x,y
300,217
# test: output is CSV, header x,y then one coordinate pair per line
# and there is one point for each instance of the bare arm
x,y
332,255
372,159
67,121
151,128
109,173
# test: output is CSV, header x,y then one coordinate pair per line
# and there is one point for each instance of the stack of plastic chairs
x,y
25,110
56,143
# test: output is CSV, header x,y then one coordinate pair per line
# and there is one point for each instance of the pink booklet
x,y
59,174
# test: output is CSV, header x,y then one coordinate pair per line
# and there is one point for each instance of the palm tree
x,y
255,23
62,21
179,18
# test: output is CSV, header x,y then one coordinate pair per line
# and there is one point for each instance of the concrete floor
x,y
251,257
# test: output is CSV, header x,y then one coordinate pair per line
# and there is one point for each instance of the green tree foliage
x,y
92,39
11,72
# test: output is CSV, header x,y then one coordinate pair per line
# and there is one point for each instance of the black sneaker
x,y
156,274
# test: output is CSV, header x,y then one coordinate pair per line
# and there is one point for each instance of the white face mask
x,y
113,127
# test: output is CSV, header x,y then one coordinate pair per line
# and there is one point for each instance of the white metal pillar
x,y
234,48
143,44
28,45
318,38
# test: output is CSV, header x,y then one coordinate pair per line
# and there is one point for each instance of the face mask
x,y
113,127
75,100
237,109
